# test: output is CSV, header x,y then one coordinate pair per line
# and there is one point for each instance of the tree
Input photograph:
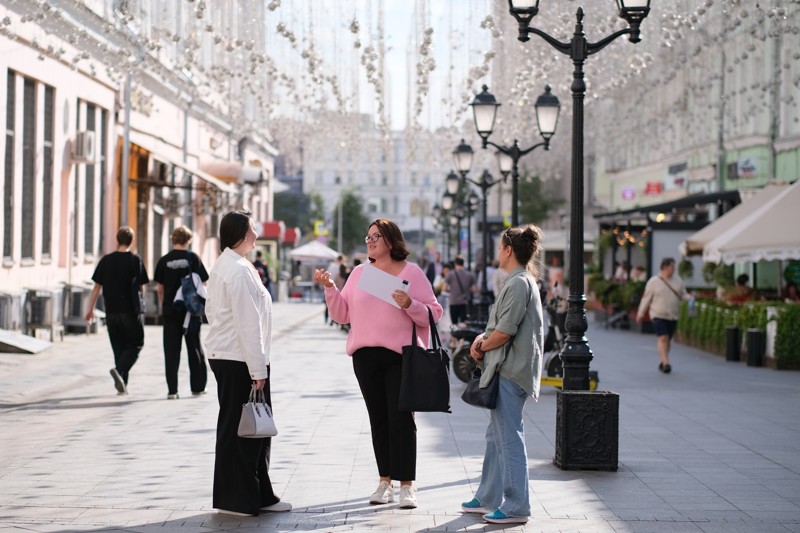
x,y
292,209
316,210
354,223
536,204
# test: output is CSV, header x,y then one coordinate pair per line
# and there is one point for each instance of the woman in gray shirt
x,y
502,496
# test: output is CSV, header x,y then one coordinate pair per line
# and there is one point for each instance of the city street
x,y
712,447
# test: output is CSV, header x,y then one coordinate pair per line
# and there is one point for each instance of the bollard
x,y
754,346
733,344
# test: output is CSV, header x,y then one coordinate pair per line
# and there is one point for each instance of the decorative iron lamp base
x,y
587,430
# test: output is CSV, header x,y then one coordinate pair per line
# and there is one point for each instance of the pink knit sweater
x,y
376,323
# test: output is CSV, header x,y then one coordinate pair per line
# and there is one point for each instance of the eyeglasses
x,y
372,238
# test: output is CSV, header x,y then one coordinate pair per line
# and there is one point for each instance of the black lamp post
x,y
471,206
576,354
439,215
484,109
462,157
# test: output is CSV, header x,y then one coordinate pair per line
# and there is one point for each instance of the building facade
x,y
113,120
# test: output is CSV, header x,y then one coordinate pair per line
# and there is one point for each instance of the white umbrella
x,y
313,251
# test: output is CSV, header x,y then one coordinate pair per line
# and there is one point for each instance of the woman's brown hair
x,y
526,243
393,238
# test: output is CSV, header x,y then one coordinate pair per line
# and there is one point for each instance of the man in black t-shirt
x,y
118,275
170,270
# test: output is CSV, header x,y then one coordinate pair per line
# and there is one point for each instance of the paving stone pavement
x,y
711,447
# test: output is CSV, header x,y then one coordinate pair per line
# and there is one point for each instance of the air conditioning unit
x,y
83,150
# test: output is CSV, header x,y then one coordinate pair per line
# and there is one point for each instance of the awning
x,y
219,184
767,233
694,245
558,240
152,145
692,200
274,229
234,172
291,236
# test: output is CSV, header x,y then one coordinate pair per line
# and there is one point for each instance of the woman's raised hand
x,y
323,277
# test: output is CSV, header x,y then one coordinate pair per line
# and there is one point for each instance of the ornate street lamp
x,y
462,157
576,353
484,111
452,183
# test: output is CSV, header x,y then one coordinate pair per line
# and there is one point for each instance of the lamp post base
x,y
587,430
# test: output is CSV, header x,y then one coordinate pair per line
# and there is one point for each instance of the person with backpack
x,y
170,273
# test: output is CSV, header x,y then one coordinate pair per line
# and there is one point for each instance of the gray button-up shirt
x,y
517,312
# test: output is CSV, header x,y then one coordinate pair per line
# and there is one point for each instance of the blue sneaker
x,y
499,517
474,506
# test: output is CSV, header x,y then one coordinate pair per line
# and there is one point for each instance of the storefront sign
x,y
746,168
653,188
628,193
676,177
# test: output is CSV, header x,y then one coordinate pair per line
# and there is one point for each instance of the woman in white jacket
x,y
239,311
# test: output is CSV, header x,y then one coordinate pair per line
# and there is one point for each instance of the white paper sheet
x,y
381,284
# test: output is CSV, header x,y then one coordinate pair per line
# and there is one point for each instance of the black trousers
x,y
458,313
173,335
241,476
126,333
394,433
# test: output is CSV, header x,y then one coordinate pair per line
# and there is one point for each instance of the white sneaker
x,y
278,507
383,494
232,513
408,497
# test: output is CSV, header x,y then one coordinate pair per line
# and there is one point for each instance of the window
x,y
28,207
8,188
47,172
89,196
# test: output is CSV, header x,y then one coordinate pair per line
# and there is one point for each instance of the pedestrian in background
x,y
263,271
378,332
662,297
239,310
516,317
170,271
460,286
434,268
119,274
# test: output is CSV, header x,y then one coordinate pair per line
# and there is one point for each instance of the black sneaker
x,y
667,369
119,383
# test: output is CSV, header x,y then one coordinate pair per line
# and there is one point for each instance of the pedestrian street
x,y
711,447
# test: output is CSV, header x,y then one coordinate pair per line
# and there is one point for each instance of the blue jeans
x,y
504,479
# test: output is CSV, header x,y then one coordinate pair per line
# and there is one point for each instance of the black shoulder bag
x,y
425,383
487,397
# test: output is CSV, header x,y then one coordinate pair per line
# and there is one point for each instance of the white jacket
x,y
239,312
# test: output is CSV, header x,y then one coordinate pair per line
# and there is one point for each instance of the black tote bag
x,y
425,382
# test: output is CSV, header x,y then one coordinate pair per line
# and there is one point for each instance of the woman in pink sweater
x,y
378,331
